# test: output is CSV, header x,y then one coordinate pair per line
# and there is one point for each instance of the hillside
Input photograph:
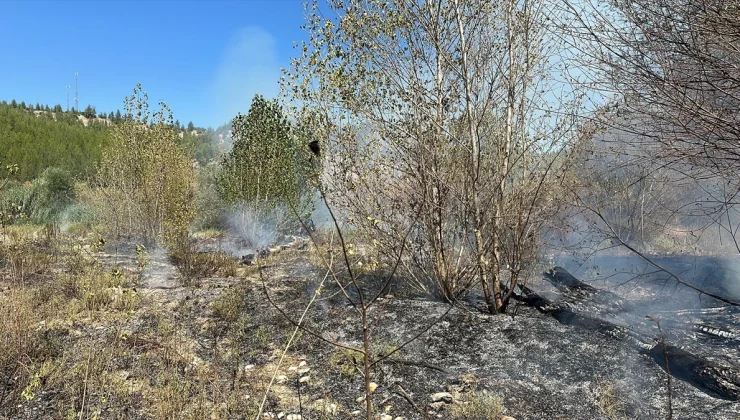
x,y
36,142
42,137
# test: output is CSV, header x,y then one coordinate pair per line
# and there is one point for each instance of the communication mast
x,y
77,98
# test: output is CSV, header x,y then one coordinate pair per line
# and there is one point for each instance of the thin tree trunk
x,y
474,167
504,166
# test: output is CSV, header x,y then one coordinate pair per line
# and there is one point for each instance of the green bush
x,y
52,194
42,201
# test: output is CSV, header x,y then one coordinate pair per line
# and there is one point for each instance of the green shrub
x,y
42,201
52,193
230,304
211,209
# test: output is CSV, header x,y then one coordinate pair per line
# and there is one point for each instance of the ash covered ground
x,y
540,368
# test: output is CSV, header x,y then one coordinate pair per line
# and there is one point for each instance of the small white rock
x,y
442,396
303,363
304,379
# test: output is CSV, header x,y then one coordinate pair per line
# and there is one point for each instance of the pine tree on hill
x,y
23,105
14,104
89,112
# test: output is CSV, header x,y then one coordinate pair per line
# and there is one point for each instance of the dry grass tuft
x,y
609,403
478,407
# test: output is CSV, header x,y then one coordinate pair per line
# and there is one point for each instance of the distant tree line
x,y
88,112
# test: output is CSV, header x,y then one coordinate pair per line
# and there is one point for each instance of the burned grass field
x,y
97,330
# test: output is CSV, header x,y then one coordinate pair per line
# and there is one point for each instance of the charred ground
x,y
210,349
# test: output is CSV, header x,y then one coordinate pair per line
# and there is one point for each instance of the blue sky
x,y
205,59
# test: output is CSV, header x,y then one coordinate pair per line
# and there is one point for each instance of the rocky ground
x,y
210,350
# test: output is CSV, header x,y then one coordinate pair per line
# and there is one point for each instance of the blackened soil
x,y
539,367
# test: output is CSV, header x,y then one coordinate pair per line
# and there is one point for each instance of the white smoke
x,y
248,65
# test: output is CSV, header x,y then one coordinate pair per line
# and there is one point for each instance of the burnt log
x,y
713,379
709,377
581,292
566,316
563,280
715,331
247,259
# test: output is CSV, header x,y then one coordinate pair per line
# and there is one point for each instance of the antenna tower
x,y
77,98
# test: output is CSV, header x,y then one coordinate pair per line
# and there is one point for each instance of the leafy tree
x,y
178,126
148,179
264,175
262,166
46,108
191,127
58,108
22,105
13,104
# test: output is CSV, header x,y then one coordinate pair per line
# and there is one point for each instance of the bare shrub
x,y
446,119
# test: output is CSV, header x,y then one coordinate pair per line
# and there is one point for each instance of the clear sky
x,y
206,59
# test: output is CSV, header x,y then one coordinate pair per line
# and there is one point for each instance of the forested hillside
x,y
35,138
58,139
